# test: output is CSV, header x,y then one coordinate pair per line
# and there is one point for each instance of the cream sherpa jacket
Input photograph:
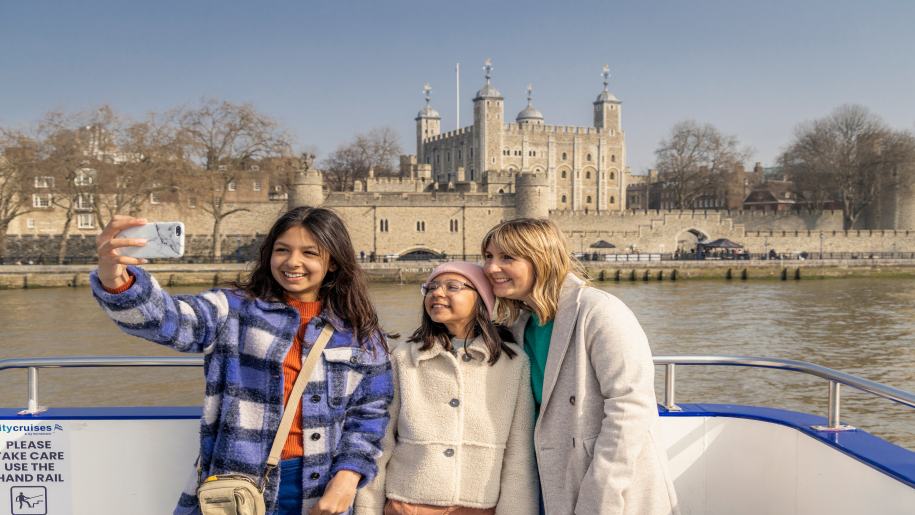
x,y
461,433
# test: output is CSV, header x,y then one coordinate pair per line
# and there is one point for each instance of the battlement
x,y
518,128
533,179
419,199
849,233
458,133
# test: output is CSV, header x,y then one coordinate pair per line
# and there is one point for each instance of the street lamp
x,y
766,247
822,237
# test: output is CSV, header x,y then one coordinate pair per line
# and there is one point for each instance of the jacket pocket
x,y
343,368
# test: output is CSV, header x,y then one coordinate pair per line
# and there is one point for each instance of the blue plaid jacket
x,y
244,342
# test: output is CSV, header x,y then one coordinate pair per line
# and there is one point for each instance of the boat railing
x,y
835,379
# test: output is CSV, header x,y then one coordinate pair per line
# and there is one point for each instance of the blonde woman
x,y
591,374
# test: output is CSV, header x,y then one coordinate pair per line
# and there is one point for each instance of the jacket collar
x,y
326,316
476,348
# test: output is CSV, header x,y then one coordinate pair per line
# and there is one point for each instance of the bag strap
x,y
314,354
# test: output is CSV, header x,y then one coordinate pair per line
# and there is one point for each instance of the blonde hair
x,y
543,244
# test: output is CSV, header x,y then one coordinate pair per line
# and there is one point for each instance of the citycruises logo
x,y
30,429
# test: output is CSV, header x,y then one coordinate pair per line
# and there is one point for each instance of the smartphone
x,y
163,240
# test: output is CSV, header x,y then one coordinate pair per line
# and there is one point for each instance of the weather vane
x,y
530,90
487,67
606,75
427,89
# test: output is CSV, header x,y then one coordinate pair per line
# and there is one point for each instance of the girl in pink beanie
x,y
460,439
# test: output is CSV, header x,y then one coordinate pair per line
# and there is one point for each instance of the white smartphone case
x,y
163,240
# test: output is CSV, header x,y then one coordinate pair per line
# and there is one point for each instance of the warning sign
x,y
34,467
28,500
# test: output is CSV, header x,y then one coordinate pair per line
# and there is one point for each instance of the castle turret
x,y
488,119
607,108
529,115
428,124
532,195
307,187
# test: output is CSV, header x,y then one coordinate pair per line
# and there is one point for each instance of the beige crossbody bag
x,y
236,494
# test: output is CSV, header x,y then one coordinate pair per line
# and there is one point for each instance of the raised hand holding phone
x,y
112,266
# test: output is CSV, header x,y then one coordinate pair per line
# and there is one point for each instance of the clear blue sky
x,y
329,69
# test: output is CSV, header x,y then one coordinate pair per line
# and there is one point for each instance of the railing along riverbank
x,y
647,269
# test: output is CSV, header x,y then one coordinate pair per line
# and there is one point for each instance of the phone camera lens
x,y
178,230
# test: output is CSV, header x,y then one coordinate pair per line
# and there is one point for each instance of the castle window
x,y
85,201
613,200
231,186
612,158
420,226
84,178
453,226
192,202
564,156
612,175
85,221
448,157
588,199
41,201
563,199
588,176
563,176
256,186
44,182
383,225
588,157
459,154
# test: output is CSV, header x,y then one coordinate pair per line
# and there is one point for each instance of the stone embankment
x,y
53,276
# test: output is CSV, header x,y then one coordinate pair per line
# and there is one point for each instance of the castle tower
x,y
532,195
428,124
607,108
488,120
307,186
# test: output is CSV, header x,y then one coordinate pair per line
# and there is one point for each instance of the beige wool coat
x,y
461,433
595,440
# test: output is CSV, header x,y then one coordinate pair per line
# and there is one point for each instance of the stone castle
x,y
461,183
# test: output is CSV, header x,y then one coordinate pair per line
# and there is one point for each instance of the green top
x,y
537,347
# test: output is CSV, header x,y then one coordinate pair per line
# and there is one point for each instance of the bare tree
x,y
224,139
68,151
695,161
148,159
850,155
375,150
19,154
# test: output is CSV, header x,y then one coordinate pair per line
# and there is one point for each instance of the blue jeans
x,y
290,495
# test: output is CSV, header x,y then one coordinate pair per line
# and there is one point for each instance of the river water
x,y
864,327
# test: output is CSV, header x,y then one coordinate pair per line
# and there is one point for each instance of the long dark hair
x,y
429,333
343,290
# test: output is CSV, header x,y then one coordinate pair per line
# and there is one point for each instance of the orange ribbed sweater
x,y
292,365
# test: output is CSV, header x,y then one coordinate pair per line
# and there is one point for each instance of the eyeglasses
x,y
451,287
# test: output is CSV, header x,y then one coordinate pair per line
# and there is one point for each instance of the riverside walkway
x,y
185,274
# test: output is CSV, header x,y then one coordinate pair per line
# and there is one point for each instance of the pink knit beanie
x,y
474,274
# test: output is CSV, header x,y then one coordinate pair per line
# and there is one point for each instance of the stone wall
x,y
454,223
44,248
